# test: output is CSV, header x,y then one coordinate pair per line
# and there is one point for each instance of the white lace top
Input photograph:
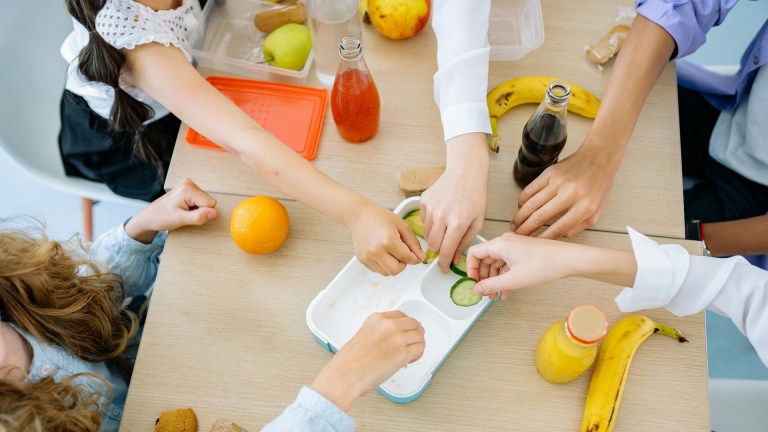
x,y
126,24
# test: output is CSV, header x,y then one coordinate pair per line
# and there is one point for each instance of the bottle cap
x,y
586,324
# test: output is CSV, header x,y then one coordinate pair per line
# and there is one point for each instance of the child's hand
x,y
386,342
513,261
383,241
185,204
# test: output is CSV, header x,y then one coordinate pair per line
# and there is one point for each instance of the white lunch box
x,y
421,291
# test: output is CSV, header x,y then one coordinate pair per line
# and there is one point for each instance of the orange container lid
x,y
293,113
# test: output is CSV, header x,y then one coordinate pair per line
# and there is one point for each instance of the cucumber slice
x,y
413,219
460,268
463,292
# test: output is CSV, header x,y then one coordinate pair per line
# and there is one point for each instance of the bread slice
x,y
414,181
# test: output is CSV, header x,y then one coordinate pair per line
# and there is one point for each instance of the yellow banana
x,y
532,89
363,11
611,369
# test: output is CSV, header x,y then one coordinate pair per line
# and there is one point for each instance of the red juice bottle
x,y
354,99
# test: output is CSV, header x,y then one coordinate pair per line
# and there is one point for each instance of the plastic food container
x,y
421,291
293,113
516,28
228,41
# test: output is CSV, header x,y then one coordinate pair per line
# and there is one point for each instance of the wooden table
x,y
226,335
647,190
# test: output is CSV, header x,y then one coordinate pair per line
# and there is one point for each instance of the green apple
x,y
288,46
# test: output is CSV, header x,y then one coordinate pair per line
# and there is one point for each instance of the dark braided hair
x,y
101,62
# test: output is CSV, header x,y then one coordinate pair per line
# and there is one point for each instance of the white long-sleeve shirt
x,y
669,277
461,80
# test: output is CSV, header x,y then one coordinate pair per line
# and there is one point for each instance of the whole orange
x,y
259,225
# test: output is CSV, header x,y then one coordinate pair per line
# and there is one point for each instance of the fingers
x,y
416,254
408,332
200,198
448,249
372,265
533,189
435,236
495,268
193,195
199,216
541,216
563,225
479,259
530,206
413,352
493,285
472,231
389,314
396,254
390,265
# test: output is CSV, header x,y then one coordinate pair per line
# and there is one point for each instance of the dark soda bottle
x,y
544,135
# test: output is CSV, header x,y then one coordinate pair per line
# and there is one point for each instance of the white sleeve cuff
x,y
661,271
466,118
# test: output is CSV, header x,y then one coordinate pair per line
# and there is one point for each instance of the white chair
x,y
42,161
31,82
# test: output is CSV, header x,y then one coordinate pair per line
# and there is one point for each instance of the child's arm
x,y
386,342
513,261
133,250
186,204
660,276
453,209
383,241
738,237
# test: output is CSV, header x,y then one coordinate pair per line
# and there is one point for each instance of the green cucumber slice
x,y
463,292
460,268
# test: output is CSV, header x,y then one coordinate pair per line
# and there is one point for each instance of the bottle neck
x,y
350,48
557,96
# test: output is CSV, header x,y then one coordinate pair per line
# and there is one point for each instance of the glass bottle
x,y
569,347
544,135
354,99
329,21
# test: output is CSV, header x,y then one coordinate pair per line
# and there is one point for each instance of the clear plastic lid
x,y
516,28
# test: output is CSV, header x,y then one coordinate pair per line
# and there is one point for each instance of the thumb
x,y
199,216
492,285
410,240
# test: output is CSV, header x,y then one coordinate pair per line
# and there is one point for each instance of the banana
x,y
532,89
363,10
611,369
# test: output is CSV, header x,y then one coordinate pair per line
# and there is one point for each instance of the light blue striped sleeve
x,y
136,262
311,412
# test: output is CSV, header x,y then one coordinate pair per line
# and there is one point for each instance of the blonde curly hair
x,y
46,290
61,299
49,406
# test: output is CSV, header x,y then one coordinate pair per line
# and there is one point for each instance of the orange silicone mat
x,y
293,113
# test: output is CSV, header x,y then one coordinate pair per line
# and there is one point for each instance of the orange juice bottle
x,y
569,347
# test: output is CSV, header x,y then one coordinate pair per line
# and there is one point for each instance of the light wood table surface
x,y
226,335
647,191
